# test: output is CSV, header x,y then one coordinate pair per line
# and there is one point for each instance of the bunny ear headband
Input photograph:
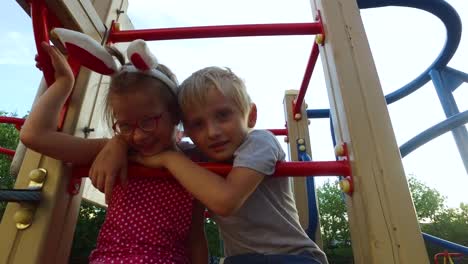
x,y
96,58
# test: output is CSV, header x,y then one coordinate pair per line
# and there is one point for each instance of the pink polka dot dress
x,y
146,222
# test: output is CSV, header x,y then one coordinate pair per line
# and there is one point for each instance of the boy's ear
x,y
252,118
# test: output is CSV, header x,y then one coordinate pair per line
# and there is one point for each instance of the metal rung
x,y
21,195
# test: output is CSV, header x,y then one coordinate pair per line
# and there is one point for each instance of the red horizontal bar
x,y
279,131
8,152
446,256
283,169
18,122
216,31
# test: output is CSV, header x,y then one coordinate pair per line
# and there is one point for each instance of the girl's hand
x,y
110,164
62,69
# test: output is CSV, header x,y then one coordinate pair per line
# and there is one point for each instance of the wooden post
x,y
298,129
383,222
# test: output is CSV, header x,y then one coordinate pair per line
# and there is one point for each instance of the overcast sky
x,y
404,42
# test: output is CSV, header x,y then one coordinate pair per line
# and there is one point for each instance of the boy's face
x,y
218,128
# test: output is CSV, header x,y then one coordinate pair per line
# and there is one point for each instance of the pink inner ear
x,y
138,62
88,60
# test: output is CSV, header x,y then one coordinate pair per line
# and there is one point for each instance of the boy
x,y
256,214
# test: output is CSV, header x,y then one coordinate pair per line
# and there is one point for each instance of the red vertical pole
x,y
41,33
305,81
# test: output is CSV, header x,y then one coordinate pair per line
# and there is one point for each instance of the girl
x,y
149,220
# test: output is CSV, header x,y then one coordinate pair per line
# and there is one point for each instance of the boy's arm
x,y
198,246
39,132
221,195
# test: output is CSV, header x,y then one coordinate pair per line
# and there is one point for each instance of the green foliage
x,y
89,222
334,223
450,224
333,218
427,201
9,138
215,246
436,219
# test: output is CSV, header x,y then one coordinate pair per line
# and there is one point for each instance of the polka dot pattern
x,y
146,222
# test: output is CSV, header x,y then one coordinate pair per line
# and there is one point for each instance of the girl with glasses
x,y
149,219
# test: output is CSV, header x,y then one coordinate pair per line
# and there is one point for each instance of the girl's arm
x,y
109,166
221,195
198,247
39,132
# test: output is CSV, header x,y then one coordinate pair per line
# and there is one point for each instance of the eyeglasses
x,y
148,124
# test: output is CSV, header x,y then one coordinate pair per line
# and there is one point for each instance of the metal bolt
x,y
319,39
38,175
87,130
339,150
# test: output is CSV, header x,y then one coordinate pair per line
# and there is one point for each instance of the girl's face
x,y
135,113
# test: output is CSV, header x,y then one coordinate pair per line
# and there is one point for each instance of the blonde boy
x,y
256,213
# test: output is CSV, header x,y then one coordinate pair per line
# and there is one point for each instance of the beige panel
x,y
383,223
78,15
109,10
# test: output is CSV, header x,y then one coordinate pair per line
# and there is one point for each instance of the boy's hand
x,y
109,164
62,69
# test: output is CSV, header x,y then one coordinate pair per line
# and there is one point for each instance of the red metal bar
x,y
305,81
6,151
283,169
279,131
216,31
18,122
445,256
41,33
42,22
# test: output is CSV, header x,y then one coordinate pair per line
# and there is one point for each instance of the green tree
x,y
436,219
90,219
215,246
428,201
333,217
450,224
9,138
334,224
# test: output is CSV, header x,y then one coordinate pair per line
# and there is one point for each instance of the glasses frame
x,y
137,124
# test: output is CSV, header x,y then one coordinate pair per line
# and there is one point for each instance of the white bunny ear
x,y
140,56
144,61
86,50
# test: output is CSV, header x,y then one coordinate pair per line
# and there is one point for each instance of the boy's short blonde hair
x,y
194,90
